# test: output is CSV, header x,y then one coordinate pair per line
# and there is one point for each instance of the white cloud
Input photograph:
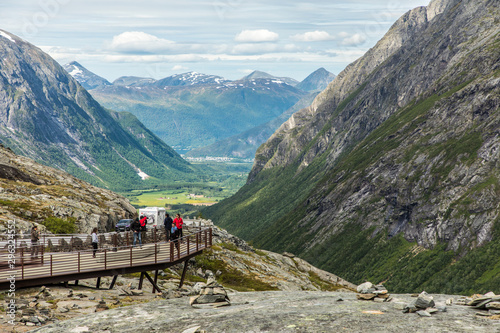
x,y
256,36
179,68
354,40
263,48
312,36
139,42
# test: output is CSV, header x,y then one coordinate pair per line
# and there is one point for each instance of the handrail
x,y
109,257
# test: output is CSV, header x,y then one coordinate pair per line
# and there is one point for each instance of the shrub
x,y
57,225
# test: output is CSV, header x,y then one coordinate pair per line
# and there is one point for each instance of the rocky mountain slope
x,y
47,115
393,169
31,193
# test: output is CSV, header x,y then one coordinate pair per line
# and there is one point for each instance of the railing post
x,y
156,253
197,241
22,264
105,259
206,239
187,242
171,251
154,234
42,250
51,265
131,256
78,261
210,233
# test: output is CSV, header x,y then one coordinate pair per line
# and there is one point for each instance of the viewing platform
x,y
64,258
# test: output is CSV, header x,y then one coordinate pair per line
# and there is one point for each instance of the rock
x,y
424,301
211,293
423,313
482,305
410,308
493,305
63,309
136,292
101,306
449,301
366,296
171,294
365,288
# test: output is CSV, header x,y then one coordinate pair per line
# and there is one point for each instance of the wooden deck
x,y
54,267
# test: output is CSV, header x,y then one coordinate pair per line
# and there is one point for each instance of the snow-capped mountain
x,y
264,75
189,79
86,78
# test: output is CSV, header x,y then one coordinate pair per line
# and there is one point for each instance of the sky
x,y
229,38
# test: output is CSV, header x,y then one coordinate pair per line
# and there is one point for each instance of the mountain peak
x,y
190,79
263,75
86,78
317,80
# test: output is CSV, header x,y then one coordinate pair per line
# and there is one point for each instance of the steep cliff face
x,y
395,161
31,192
295,134
46,115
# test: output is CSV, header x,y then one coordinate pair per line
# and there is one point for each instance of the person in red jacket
x,y
178,223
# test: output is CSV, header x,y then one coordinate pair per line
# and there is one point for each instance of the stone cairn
x,y
370,292
423,305
489,302
212,294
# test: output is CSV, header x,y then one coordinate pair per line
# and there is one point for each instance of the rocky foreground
x,y
280,311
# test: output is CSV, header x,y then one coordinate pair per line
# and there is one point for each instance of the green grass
x,y
230,277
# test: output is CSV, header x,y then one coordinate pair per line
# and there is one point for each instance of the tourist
x,y
35,236
136,229
168,226
178,223
95,241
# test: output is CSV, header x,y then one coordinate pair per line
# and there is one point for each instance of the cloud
x,y
354,40
179,68
312,36
256,36
263,48
139,42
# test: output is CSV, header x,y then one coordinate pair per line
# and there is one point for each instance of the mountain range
x,y
193,110
45,114
244,145
392,173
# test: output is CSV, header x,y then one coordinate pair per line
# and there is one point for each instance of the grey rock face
x,y
275,312
430,185
39,187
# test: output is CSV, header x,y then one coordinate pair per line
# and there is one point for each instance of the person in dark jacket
x,y
136,229
168,226
35,236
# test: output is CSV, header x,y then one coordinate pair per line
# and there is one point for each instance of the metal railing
x,y
73,254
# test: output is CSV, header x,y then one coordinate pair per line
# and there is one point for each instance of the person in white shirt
x,y
95,240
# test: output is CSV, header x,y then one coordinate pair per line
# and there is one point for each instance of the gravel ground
x,y
280,312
